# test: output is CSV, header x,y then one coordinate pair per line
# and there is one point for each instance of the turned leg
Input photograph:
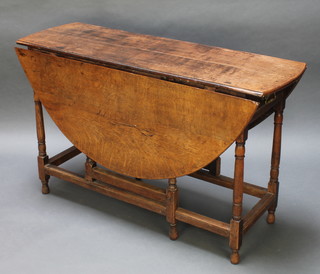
x,y
42,156
172,204
273,185
236,221
89,165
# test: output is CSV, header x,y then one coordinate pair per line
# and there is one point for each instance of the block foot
x,y
173,232
45,189
271,218
45,186
235,257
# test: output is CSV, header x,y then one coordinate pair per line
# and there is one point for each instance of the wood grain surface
x,y
133,124
230,71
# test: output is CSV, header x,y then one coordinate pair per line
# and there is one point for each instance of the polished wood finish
x,y
226,70
203,222
133,120
236,223
265,110
64,156
255,213
228,182
89,166
129,184
150,107
42,156
273,186
106,189
172,204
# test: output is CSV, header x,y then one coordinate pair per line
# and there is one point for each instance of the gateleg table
x,y
146,107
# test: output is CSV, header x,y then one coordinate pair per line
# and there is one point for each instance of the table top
x,y
218,69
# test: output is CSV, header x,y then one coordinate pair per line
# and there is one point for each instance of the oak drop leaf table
x,y
146,107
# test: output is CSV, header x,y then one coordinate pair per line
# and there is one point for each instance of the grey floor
x,y
73,230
